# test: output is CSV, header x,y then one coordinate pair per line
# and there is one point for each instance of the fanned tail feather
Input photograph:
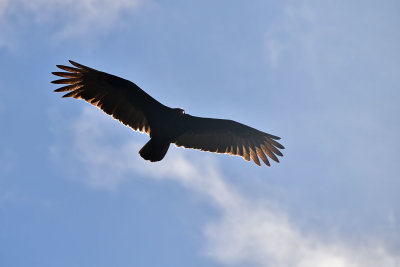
x,y
154,150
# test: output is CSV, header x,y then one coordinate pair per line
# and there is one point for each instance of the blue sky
x,y
323,75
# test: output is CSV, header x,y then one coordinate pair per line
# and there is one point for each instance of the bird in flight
x,y
126,102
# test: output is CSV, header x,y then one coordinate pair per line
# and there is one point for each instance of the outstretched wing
x,y
117,97
227,136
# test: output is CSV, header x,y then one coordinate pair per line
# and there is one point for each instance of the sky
x,y
322,75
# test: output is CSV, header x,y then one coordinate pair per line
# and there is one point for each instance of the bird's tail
x,y
154,150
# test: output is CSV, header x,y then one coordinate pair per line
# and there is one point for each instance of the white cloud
x,y
273,50
336,56
334,38
256,235
70,17
248,233
290,32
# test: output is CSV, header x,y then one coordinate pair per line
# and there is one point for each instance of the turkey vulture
x,y
129,104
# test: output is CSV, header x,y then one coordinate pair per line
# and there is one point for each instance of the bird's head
x,y
180,111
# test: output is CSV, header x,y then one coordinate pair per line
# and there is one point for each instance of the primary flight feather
x,y
132,106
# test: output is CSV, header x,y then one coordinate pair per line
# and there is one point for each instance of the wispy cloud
x,y
273,49
334,38
67,17
254,234
295,29
248,232
337,57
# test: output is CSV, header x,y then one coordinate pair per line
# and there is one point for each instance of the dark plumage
x,y
129,104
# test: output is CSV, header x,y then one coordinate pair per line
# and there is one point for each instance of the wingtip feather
x,y
68,68
80,66
264,158
66,74
69,88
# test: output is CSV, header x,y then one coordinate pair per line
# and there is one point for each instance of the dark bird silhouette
x,y
129,104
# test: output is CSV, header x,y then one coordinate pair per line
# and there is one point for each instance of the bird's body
x,y
165,131
132,106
